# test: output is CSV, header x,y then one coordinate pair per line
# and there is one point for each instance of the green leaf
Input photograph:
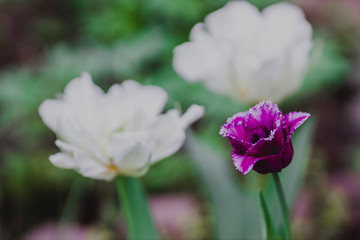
x,y
135,209
270,231
286,227
236,210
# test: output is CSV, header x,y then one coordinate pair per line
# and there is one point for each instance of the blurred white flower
x,y
121,132
247,54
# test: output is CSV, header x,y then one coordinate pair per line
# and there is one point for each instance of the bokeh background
x,y
46,43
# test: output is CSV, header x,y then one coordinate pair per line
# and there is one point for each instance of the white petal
x,y
88,167
170,135
191,115
66,148
75,136
200,33
50,112
84,101
236,22
151,99
284,27
115,111
133,161
204,60
81,89
197,61
63,160
122,141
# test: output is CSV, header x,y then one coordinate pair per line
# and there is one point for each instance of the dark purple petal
x,y
269,164
287,153
239,146
268,146
291,121
275,163
243,163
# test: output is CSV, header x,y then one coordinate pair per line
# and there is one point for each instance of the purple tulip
x,y
261,137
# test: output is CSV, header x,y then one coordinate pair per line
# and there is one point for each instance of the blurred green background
x,y
46,43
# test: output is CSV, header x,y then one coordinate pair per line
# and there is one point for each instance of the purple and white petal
x,y
291,121
243,163
265,115
239,146
237,130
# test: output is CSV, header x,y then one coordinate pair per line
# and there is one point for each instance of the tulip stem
x,y
284,208
125,206
135,209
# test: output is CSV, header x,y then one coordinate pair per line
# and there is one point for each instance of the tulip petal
x,y
287,153
165,143
151,99
235,128
134,161
239,146
237,22
200,33
83,99
269,164
50,112
193,114
88,91
196,60
265,115
88,167
239,135
124,140
279,33
66,148
268,146
291,121
63,160
243,163
73,134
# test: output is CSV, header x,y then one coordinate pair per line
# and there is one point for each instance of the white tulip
x,y
121,132
246,54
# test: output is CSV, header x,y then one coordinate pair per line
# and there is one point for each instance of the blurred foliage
x,y
54,41
176,172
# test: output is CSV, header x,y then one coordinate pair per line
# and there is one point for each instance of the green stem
x,y
135,209
284,208
125,206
